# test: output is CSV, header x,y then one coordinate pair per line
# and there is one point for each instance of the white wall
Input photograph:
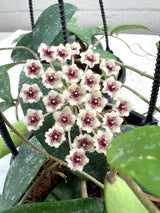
x,y
14,14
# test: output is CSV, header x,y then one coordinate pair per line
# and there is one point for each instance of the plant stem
x,y
135,70
69,140
39,179
98,41
16,109
111,175
22,47
86,175
84,192
129,47
139,193
139,95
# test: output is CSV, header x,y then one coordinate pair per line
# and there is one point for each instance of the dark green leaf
x,y
20,54
6,67
137,153
21,173
96,31
18,38
5,91
67,190
119,198
59,39
82,205
128,27
82,33
5,105
48,25
105,54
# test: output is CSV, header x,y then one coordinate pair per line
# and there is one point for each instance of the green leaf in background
x,y
21,173
105,54
67,190
18,38
124,128
82,33
137,153
20,54
119,198
94,40
5,105
120,28
21,128
82,205
6,67
5,91
48,25
0,202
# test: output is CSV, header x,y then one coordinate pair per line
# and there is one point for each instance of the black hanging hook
x,y
6,137
31,13
105,25
155,89
63,21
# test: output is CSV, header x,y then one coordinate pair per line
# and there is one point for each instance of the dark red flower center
x,y
62,53
55,136
122,107
111,122
90,58
51,79
72,73
109,67
76,159
33,69
75,94
95,102
89,81
64,119
53,101
33,120
87,120
112,87
47,52
31,93
83,143
103,142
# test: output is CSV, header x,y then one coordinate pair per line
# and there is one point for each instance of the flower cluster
x,y
75,98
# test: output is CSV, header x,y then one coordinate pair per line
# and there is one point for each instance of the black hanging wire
x,y
6,137
31,13
105,25
63,21
155,89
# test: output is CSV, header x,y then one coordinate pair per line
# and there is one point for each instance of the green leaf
x,y
82,33
120,28
105,54
21,54
21,128
73,20
0,202
21,173
119,198
5,105
137,153
96,31
67,190
82,205
48,25
5,92
124,128
6,67
18,38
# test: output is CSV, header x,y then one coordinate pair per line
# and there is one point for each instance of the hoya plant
x,y
82,155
